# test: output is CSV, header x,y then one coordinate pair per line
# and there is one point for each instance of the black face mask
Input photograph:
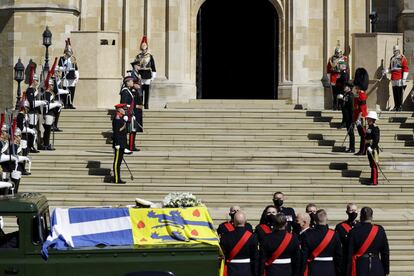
x,y
278,202
313,218
232,215
271,219
352,216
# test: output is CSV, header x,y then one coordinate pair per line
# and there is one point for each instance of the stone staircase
x,y
237,152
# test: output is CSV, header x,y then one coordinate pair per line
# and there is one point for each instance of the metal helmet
x,y
338,51
396,49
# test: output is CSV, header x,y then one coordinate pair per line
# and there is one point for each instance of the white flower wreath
x,y
177,200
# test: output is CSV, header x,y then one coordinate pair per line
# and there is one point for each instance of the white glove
x,y
369,149
384,72
358,122
128,105
125,118
133,117
117,147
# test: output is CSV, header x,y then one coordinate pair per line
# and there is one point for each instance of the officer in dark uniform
x,y
348,115
240,249
267,223
119,140
228,226
321,249
343,228
278,200
127,97
368,250
372,138
280,251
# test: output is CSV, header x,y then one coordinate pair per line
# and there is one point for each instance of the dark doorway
x,y
237,50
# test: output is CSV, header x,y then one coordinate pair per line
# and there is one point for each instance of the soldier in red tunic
x,y
337,64
399,73
361,79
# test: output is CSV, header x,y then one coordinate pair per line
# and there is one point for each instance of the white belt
x,y
324,259
282,261
240,261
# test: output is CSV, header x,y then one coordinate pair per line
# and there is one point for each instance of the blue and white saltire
x,y
76,227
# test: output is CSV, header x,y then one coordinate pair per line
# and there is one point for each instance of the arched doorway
x,y
237,50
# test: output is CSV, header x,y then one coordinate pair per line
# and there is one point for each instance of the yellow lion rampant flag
x,y
172,226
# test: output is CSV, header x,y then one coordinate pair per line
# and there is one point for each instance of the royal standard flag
x,y
172,225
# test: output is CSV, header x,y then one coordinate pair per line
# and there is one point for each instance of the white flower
x,y
177,199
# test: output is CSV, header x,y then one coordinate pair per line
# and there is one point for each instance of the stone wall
x,y
309,31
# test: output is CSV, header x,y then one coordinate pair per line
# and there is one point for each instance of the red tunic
x,y
360,105
398,66
335,71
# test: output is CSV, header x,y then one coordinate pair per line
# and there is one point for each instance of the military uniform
x,y
70,73
49,116
119,143
372,138
348,114
375,259
228,226
399,72
280,254
290,217
337,64
360,112
262,230
240,252
147,71
328,259
128,98
343,229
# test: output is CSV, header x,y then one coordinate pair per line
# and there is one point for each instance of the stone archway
x,y
239,74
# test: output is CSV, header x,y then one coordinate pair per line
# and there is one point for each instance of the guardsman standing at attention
x,y
240,249
146,69
321,249
372,138
127,97
228,226
368,250
343,228
399,72
119,140
280,251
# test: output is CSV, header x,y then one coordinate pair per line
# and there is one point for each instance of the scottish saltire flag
x,y
79,227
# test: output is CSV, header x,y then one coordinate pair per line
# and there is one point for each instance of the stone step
x,y
149,143
208,172
149,184
145,163
125,197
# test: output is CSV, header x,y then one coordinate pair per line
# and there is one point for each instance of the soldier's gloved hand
x,y
358,122
369,149
117,147
133,117
125,118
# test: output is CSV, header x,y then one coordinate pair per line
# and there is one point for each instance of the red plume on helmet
x,y
2,119
14,125
143,40
31,74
